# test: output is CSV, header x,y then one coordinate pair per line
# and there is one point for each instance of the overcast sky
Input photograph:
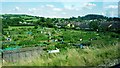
x,y
61,8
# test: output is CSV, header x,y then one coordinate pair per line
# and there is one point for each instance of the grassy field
x,y
74,57
103,46
0,62
15,27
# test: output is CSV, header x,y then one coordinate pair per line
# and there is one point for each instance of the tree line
x,y
92,20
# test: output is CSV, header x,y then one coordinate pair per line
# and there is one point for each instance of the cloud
x,y
42,6
32,9
112,6
0,11
53,16
16,9
69,7
59,0
76,9
103,13
57,9
72,7
64,13
45,0
49,5
89,4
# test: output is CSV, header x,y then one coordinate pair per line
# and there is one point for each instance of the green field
x,y
101,47
15,27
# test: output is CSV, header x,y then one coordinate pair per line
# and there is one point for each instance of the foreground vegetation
x,y
102,47
74,57
99,45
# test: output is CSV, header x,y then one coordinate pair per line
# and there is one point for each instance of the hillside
x,y
91,22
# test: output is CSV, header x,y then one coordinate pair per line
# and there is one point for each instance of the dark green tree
x,y
94,25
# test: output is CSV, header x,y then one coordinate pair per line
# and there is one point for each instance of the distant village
x,y
88,22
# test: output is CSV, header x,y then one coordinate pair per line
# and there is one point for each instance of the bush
x,y
61,45
114,35
46,43
36,27
86,43
51,47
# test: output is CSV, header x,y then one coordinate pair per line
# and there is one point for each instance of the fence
x,y
22,54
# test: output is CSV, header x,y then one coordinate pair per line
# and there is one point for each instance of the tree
x,y
42,19
79,19
94,25
36,27
49,22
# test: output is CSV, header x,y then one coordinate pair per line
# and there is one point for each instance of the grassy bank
x,y
74,57
103,47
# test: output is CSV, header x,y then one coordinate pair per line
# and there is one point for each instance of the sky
x,y
60,8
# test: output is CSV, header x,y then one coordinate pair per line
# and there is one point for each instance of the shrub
x,y
114,35
50,47
86,43
35,27
61,45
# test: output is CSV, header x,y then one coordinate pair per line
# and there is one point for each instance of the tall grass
x,y
74,57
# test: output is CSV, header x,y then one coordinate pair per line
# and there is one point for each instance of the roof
x,y
84,25
114,24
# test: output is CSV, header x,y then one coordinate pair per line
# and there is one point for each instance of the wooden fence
x,y
23,54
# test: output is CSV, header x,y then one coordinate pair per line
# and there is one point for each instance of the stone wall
x,y
22,54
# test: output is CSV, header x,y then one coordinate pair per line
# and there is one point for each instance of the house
x,y
84,26
115,25
70,25
61,25
66,24
112,25
77,24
